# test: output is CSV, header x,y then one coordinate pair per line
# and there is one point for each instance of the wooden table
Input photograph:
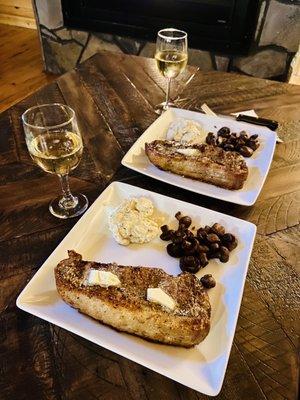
x,y
113,96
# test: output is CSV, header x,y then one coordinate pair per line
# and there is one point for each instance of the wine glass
x,y
55,144
171,59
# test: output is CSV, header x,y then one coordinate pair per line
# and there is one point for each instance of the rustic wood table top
x,y
114,96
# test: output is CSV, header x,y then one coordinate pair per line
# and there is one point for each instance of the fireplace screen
x,y
225,26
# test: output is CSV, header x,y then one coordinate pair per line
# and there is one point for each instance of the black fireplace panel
x,y
184,10
225,26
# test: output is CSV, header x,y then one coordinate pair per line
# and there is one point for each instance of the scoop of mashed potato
x,y
186,131
132,222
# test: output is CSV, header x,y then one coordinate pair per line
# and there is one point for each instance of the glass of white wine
x,y
55,144
171,59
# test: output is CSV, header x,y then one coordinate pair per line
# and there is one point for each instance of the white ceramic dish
x,y
258,164
202,367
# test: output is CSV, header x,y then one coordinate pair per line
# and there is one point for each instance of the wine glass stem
x,y
168,94
67,200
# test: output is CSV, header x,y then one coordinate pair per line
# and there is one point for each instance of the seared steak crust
x,y
126,307
206,163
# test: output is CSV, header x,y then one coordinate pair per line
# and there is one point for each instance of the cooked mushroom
x,y
224,254
166,233
203,260
174,250
189,264
178,236
185,221
190,246
218,229
208,281
246,151
213,238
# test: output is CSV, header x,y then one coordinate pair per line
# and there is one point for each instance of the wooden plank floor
x,y
21,65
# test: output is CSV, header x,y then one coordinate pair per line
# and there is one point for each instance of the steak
x,y
203,162
126,307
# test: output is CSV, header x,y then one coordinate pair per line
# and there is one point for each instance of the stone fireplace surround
x,y
276,41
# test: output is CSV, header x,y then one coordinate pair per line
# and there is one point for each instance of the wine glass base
x,y
60,212
162,107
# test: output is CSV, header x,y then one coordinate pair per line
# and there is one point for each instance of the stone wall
x,y
276,40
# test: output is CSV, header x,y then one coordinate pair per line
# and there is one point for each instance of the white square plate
x,y
202,367
258,164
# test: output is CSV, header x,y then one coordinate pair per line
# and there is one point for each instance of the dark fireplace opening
x,y
224,26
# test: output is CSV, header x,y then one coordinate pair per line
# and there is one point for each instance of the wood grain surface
x,y
21,64
17,13
114,97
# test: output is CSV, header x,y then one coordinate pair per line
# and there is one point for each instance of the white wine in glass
x,y
171,58
54,142
56,153
170,63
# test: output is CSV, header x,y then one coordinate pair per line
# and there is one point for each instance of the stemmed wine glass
x,y
171,58
54,142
